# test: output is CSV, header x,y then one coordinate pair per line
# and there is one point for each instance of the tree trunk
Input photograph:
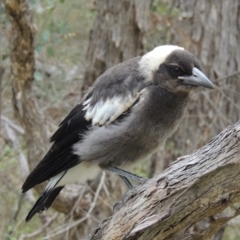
x,y
117,35
22,69
25,105
192,188
206,29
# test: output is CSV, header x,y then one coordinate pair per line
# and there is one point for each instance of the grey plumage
x,y
130,110
138,134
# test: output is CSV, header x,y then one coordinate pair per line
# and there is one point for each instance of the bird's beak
x,y
197,79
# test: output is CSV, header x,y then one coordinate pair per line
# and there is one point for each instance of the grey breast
x,y
151,121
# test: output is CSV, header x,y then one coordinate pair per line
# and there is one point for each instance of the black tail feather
x,y
44,202
52,197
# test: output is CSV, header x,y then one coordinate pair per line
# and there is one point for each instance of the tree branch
x,y
191,188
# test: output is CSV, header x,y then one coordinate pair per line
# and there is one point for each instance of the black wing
x,y
60,156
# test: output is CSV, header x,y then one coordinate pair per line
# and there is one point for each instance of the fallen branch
x,y
193,187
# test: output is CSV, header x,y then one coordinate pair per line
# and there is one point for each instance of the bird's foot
x,y
126,176
117,206
141,180
126,196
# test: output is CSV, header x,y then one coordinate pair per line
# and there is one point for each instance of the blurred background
x,y
77,40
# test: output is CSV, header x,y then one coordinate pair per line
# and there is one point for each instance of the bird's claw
x,y
126,196
141,180
117,206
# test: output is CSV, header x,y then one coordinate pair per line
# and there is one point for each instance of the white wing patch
x,y
105,112
54,181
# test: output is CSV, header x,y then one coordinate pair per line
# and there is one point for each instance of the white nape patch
x,y
78,174
105,112
152,60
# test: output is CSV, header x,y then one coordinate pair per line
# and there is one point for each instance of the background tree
x,y
121,30
118,34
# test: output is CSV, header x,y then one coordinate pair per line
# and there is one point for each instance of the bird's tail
x,y
44,201
47,197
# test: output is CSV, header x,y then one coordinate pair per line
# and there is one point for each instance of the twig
x,y
217,224
12,125
15,216
77,201
218,110
21,157
106,190
16,145
64,229
226,76
228,99
97,193
18,208
40,230
69,226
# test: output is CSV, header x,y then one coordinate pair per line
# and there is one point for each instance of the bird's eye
x,y
177,71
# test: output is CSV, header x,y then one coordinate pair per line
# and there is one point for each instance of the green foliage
x,y
4,57
160,32
164,8
62,38
38,76
50,51
63,29
141,170
45,36
171,147
4,24
232,233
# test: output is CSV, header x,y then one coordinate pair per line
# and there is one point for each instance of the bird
x,y
130,110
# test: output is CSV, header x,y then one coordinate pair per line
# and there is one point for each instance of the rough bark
x,y
191,188
22,69
117,35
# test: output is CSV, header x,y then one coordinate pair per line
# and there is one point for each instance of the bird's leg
x,y
127,182
124,175
118,205
127,175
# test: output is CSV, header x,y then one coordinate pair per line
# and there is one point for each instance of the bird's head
x,y
173,68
